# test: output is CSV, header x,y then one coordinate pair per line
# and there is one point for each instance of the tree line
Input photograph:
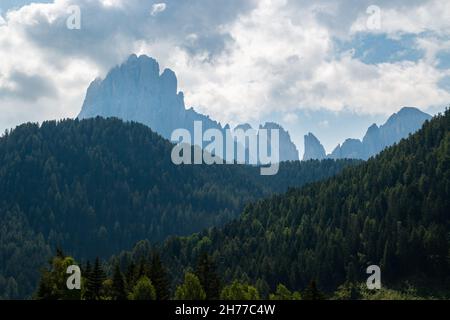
x,y
148,279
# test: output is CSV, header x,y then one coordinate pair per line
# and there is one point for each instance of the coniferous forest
x,y
96,187
392,211
312,242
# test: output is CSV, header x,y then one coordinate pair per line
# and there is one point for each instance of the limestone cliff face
x,y
313,148
288,150
137,91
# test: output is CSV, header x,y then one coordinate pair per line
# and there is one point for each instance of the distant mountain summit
x,y
313,148
288,150
137,91
400,125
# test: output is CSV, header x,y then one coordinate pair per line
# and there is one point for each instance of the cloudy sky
x,y
330,67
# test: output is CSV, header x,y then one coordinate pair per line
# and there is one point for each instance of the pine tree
x,y
159,277
95,280
45,290
88,293
118,285
209,279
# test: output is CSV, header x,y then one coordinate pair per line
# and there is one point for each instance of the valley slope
x,y
94,187
392,211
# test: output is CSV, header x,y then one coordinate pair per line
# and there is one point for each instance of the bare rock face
x,y
313,148
136,91
399,126
288,150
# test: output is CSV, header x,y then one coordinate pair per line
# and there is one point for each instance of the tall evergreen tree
x,y
159,277
95,280
45,290
118,284
207,274
88,294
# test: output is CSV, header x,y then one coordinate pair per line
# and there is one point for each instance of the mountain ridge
x,y
137,91
398,126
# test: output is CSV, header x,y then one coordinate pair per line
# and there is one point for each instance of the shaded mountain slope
x,y
392,211
96,186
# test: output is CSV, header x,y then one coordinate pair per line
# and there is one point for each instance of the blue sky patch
x,y
378,48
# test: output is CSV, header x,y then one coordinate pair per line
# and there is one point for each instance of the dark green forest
x,y
96,187
392,211
310,243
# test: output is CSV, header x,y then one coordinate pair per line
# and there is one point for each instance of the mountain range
x,y
96,186
401,124
137,91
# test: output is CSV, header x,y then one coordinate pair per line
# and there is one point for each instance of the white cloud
x,y
290,118
276,64
324,124
113,3
430,15
238,64
158,8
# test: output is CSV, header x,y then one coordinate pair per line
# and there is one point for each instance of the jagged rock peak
x,y
313,148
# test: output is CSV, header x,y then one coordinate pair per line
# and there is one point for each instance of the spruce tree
x,y
88,293
95,280
118,285
207,274
159,277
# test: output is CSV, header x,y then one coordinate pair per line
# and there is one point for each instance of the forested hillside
x,y
392,211
95,187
